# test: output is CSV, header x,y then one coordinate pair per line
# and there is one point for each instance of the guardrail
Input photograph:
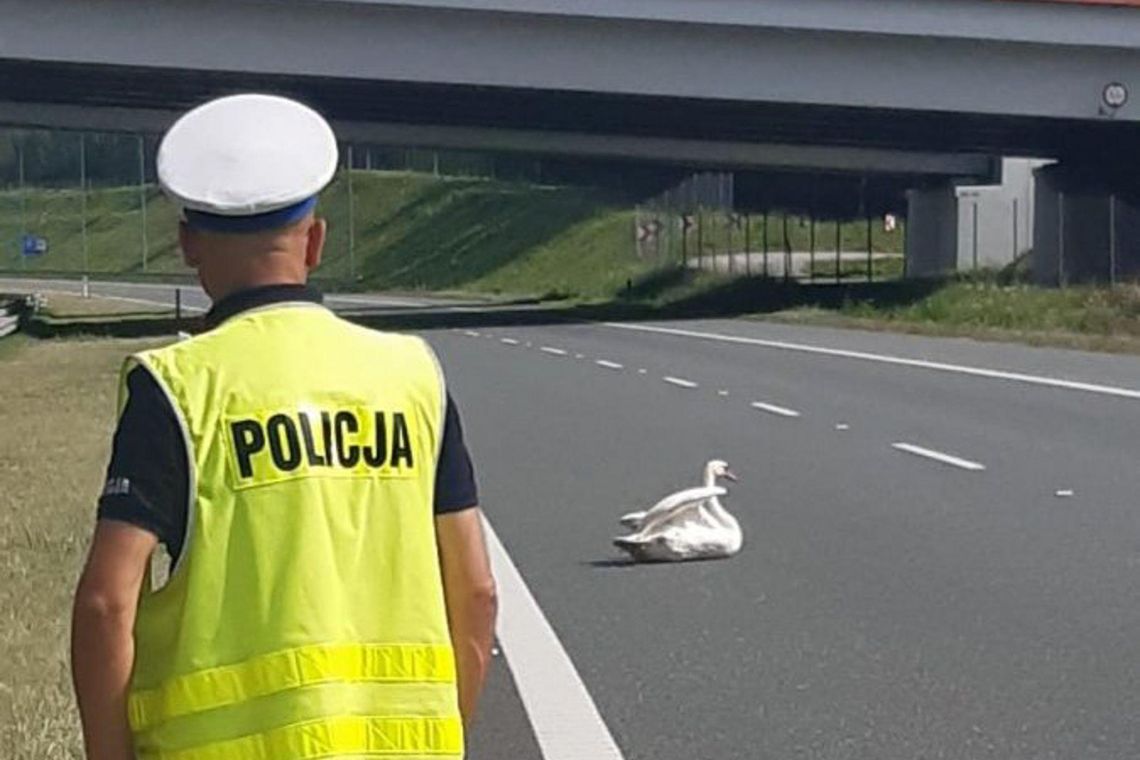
x,y
14,309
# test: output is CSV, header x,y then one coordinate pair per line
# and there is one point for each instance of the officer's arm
x,y
102,645
471,601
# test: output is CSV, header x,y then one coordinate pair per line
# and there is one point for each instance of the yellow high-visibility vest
x,y
305,617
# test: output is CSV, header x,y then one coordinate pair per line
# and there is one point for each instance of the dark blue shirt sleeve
x,y
148,477
455,488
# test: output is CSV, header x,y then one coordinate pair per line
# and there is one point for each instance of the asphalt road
x,y
887,604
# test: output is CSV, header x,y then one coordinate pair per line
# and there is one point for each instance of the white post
x,y
86,287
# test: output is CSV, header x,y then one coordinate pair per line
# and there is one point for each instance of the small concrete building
x,y
965,227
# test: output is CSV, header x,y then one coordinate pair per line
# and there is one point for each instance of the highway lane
x,y
886,604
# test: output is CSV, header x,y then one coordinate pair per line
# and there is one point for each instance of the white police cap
x,y
245,163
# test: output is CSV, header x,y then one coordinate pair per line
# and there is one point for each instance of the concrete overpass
x,y
928,90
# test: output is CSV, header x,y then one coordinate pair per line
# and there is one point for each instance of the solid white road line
x,y
608,364
565,720
380,301
773,409
680,382
994,374
509,341
125,299
554,351
939,456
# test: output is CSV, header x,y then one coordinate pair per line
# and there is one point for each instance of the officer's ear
x,y
187,241
315,244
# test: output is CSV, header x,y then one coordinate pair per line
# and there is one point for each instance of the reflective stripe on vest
x,y
305,617
290,669
342,736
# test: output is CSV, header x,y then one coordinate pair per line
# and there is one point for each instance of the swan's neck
x,y
722,516
710,478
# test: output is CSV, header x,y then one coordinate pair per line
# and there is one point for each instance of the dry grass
x,y
57,413
64,306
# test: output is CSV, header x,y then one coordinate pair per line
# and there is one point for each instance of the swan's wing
x,y
673,507
633,520
681,498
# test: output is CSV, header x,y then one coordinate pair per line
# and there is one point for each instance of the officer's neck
x,y
247,273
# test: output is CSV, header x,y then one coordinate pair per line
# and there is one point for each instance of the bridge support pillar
x,y
932,231
1086,228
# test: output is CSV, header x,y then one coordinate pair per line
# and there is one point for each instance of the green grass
x,y
68,306
985,303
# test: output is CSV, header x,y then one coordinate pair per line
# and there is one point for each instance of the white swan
x,y
714,470
695,526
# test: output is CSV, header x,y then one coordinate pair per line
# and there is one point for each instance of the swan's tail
x,y
633,520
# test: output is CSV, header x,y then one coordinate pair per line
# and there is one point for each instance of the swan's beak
x,y
730,475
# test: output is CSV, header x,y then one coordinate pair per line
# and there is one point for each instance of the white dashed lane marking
x,y
680,382
773,409
939,456
608,364
471,333
509,341
553,351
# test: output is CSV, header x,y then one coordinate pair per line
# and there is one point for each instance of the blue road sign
x,y
34,245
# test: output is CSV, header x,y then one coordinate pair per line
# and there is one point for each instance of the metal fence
x,y
697,226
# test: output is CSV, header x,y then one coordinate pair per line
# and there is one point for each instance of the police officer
x,y
330,594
